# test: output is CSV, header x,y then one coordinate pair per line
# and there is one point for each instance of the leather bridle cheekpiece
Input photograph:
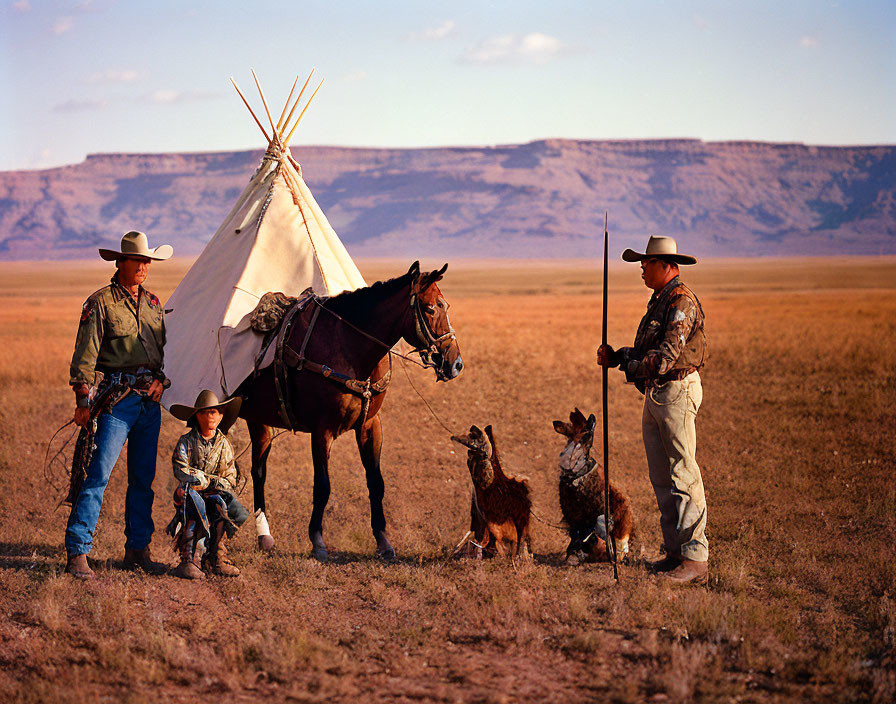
x,y
430,344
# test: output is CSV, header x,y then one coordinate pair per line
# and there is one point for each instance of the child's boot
x,y
189,562
217,554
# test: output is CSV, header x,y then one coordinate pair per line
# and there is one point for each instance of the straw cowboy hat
x,y
135,244
205,400
659,248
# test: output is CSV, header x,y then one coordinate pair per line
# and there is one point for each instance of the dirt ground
x,y
795,442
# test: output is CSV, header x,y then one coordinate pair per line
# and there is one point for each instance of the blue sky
x,y
88,76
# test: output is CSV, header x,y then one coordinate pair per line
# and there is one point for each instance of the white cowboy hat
x,y
207,399
135,244
659,248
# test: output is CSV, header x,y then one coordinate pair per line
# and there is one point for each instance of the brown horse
x,y
351,334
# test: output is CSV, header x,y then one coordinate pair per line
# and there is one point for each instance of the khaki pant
x,y
670,440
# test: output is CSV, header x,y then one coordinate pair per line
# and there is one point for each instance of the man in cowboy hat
x,y
120,341
664,364
205,506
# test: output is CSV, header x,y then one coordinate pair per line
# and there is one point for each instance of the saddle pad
x,y
271,308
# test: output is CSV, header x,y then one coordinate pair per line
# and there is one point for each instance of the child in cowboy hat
x,y
206,507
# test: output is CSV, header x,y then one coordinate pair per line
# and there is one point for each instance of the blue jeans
x,y
136,419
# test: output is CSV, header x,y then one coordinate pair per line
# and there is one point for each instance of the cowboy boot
x,y
77,567
688,572
217,553
668,563
142,560
186,544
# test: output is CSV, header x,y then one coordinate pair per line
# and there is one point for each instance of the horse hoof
x,y
384,549
386,554
265,543
320,554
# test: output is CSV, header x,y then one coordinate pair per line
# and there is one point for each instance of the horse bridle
x,y
432,343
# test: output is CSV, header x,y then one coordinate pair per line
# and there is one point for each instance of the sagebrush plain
x,y
795,441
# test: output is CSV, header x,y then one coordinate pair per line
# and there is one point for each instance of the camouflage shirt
x,y
670,340
117,332
205,463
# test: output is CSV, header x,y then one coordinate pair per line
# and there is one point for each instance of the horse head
x,y
575,460
432,333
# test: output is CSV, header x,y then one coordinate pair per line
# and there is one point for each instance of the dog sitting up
x,y
500,509
582,496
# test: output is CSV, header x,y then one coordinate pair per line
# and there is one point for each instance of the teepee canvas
x,y
276,238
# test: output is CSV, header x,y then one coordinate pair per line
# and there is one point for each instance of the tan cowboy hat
x,y
660,248
135,244
205,400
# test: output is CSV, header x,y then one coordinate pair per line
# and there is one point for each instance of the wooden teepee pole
x,y
265,103
295,104
251,112
292,131
286,104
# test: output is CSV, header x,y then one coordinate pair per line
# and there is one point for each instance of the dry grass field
x,y
795,443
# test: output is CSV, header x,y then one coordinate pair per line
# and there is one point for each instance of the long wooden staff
x,y
608,517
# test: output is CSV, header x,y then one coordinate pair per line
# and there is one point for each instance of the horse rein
x,y
422,328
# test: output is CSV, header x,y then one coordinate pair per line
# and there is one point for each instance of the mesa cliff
x,y
542,199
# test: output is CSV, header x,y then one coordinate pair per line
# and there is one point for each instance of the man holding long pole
x,y
664,364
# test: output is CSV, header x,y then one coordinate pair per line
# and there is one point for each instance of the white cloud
x,y
61,25
533,48
436,33
21,6
446,29
80,105
540,45
165,97
176,97
113,76
807,42
700,21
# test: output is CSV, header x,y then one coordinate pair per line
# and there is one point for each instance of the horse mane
x,y
358,305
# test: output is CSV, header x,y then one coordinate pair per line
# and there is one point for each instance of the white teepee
x,y
276,238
